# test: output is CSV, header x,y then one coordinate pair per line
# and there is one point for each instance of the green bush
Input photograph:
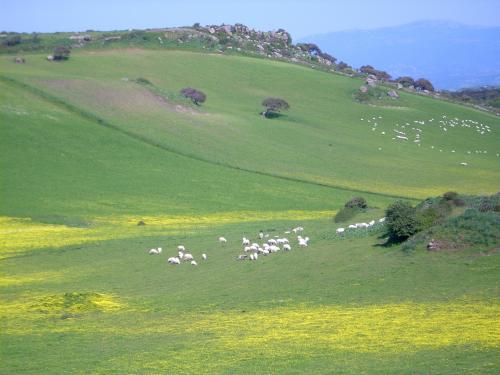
x,y
143,81
356,202
402,221
450,195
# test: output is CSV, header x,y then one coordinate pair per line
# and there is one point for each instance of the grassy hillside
x,y
321,139
85,155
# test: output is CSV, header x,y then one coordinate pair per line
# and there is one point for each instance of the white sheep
x,y
340,230
222,240
252,257
246,249
181,248
181,255
271,241
159,250
153,252
273,249
204,256
381,220
245,242
352,226
287,247
261,235
188,257
193,262
174,260
302,242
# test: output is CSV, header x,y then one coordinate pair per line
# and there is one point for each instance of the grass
x,y
337,148
85,156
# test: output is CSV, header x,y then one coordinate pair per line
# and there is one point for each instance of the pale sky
x,y
300,18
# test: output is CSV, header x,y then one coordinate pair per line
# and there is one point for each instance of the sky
x,y
300,18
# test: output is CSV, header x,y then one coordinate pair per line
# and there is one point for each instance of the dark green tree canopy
x,y
274,106
196,96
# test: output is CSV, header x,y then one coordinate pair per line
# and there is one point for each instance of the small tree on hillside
x,y
61,53
424,84
402,221
406,81
273,107
196,96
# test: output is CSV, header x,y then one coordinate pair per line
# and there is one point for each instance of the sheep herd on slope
x,y
251,250
264,247
413,131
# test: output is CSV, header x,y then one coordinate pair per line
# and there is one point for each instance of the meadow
x,y
86,153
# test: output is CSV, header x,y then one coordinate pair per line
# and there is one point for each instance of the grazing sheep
x,y
181,248
245,242
174,260
464,164
340,230
241,257
222,240
352,226
159,250
381,220
251,257
371,223
287,247
181,254
153,252
247,249
261,235
204,256
272,241
255,256
273,249
297,230
193,262
302,242
188,257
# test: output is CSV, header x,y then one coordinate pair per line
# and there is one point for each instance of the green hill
x,y
86,153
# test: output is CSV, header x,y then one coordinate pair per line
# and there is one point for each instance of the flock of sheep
x,y
341,231
251,251
402,131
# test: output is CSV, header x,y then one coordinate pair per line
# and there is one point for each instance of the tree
x,y
424,84
356,202
273,107
196,96
402,221
61,53
406,81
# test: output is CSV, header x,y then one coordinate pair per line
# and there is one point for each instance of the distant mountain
x,y
451,55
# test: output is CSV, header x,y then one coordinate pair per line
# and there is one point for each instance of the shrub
x,y
424,84
143,81
61,53
406,81
12,41
356,202
273,107
450,195
196,96
402,221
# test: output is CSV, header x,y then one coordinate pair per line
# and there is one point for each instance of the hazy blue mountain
x,y
451,55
